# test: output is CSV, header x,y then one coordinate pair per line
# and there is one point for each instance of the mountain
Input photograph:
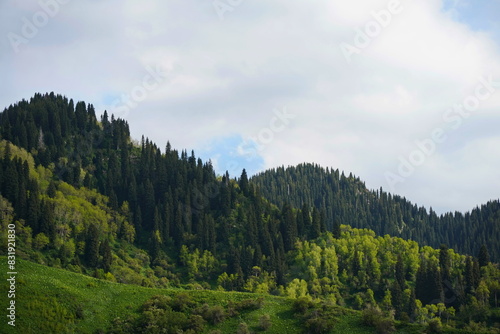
x,y
346,199
81,195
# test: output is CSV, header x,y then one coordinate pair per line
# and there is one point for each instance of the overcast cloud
x,y
264,83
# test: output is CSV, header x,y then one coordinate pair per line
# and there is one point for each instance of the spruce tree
x,y
484,256
107,258
444,263
400,273
244,183
92,246
469,275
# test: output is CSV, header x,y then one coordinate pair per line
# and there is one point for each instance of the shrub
x,y
158,301
374,317
182,302
242,329
214,315
196,323
248,304
434,326
302,304
319,325
265,322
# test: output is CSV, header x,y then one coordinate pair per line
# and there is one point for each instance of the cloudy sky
x,y
404,94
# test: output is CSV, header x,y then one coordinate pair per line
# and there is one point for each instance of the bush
x,y
248,304
159,301
182,302
214,315
319,325
302,304
434,326
242,329
120,326
265,322
196,323
374,317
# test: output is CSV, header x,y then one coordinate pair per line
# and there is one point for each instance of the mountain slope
x,y
347,200
51,300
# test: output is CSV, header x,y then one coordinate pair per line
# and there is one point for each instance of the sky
x,y
403,94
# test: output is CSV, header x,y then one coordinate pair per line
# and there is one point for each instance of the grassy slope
x,y
49,299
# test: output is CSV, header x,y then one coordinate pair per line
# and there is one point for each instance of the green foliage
x,y
374,317
265,322
434,326
346,199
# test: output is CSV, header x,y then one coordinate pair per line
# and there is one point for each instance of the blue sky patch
x,y
232,154
480,15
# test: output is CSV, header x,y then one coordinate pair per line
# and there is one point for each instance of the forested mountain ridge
x,y
346,199
84,197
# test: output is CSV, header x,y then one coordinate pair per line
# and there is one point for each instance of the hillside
x,y
81,195
346,199
52,300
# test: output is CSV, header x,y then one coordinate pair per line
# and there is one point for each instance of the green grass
x,y
50,300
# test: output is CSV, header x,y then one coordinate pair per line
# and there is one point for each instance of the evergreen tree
x,y
288,227
444,263
107,258
46,220
92,246
469,275
397,299
244,186
484,256
33,215
412,305
356,264
400,273
421,291
51,190
476,272
315,231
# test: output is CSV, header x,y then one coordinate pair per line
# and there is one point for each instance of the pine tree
x,y
336,228
34,207
46,219
483,257
476,272
244,183
234,262
315,231
356,264
92,246
288,227
51,190
421,291
444,263
469,275
400,273
107,258
434,285
178,228
397,299
306,220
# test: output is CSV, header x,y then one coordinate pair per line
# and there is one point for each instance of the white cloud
x,y
226,77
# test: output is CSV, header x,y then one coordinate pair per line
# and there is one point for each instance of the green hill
x,y
51,300
345,199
